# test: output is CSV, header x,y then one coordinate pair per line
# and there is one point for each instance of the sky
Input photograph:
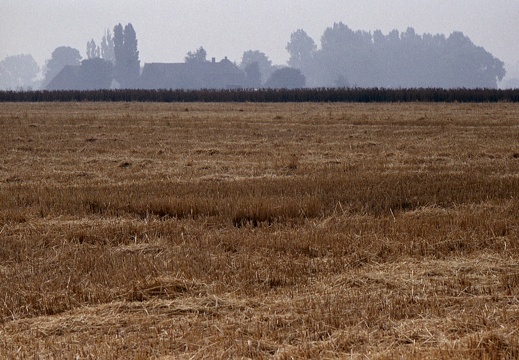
x,y
168,29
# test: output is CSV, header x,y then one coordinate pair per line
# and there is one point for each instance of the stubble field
x,y
133,230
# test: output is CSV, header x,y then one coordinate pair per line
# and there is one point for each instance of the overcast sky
x,y
168,29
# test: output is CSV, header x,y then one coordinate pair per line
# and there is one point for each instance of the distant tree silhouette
x,y
127,64
469,64
395,60
198,56
286,78
133,64
345,52
264,63
107,47
253,75
119,53
18,72
61,57
301,49
93,51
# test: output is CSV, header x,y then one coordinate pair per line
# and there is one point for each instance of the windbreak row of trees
x,y
270,95
116,58
344,59
396,60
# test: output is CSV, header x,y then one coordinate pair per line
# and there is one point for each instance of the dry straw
x,y
259,230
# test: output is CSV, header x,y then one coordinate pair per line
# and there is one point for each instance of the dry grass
x,y
259,231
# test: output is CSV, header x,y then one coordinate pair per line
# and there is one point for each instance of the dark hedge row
x,y
269,95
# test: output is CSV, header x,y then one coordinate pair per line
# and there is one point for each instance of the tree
x,y
348,53
19,71
107,47
253,74
407,59
127,64
118,41
286,78
93,51
61,57
264,63
468,65
133,65
301,49
198,56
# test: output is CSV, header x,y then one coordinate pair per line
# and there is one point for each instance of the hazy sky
x,y
168,29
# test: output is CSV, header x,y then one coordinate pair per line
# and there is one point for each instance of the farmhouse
x,y
67,79
92,74
192,75
98,74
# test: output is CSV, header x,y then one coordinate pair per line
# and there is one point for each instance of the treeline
x,y
348,58
268,95
344,59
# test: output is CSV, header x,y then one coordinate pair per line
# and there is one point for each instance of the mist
x,y
167,31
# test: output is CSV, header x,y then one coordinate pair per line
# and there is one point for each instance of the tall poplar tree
x,y
119,53
127,64
131,54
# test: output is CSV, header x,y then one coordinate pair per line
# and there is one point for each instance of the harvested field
x,y
161,231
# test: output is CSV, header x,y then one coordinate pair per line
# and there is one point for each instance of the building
x,y
192,75
96,74
92,74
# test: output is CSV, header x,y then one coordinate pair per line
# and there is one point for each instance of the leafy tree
x,y
348,53
127,64
406,59
286,78
264,63
118,41
107,47
61,57
93,51
253,75
198,56
133,63
470,65
301,49
18,71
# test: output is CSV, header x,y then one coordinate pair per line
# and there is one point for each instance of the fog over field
x,y
167,30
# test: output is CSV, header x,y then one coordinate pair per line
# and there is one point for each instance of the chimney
x,y
214,60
